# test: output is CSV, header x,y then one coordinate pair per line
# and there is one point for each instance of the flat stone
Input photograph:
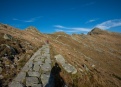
x,y
36,66
39,63
15,84
47,50
47,60
60,59
42,60
44,79
48,55
37,58
20,77
46,67
70,69
36,74
37,85
30,81
30,65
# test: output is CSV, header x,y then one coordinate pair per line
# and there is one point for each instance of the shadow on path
x,y
55,79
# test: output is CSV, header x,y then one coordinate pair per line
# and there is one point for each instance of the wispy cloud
x,y
109,24
70,29
59,26
92,20
29,20
88,4
104,25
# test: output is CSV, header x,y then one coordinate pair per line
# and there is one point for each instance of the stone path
x,y
36,71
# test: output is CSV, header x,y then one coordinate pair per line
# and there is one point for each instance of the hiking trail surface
x,y
36,71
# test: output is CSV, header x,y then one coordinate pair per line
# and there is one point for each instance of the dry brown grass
x,y
102,50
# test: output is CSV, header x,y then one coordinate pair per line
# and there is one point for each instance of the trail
x,y
36,71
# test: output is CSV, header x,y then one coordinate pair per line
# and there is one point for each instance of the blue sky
x,y
70,16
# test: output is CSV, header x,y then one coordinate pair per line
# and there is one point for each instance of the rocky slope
x,y
95,58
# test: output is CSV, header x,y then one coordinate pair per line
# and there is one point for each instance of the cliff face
x,y
96,56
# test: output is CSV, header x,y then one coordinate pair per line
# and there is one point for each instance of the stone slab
x,y
20,77
15,84
30,81
36,74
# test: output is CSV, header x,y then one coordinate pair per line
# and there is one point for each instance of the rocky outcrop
x,y
67,67
8,37
97,31
32,29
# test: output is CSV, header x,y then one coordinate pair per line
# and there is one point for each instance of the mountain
x,y
98,31
96,57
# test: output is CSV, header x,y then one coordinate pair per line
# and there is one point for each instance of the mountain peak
x,y
32,28
97,31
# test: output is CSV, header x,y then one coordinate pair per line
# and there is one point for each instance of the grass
x,y
117,77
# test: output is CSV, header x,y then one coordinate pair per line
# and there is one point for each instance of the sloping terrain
x,y
96,56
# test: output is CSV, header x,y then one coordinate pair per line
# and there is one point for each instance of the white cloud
x,y
91,21
109,24
59,26
81,29
71,29
29,20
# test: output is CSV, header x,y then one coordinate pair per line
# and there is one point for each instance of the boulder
x,y
7,36
68,67
60,59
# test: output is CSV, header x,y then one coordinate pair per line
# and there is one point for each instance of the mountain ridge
x,y
96,56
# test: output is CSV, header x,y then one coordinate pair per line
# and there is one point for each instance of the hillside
x,y
96,56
